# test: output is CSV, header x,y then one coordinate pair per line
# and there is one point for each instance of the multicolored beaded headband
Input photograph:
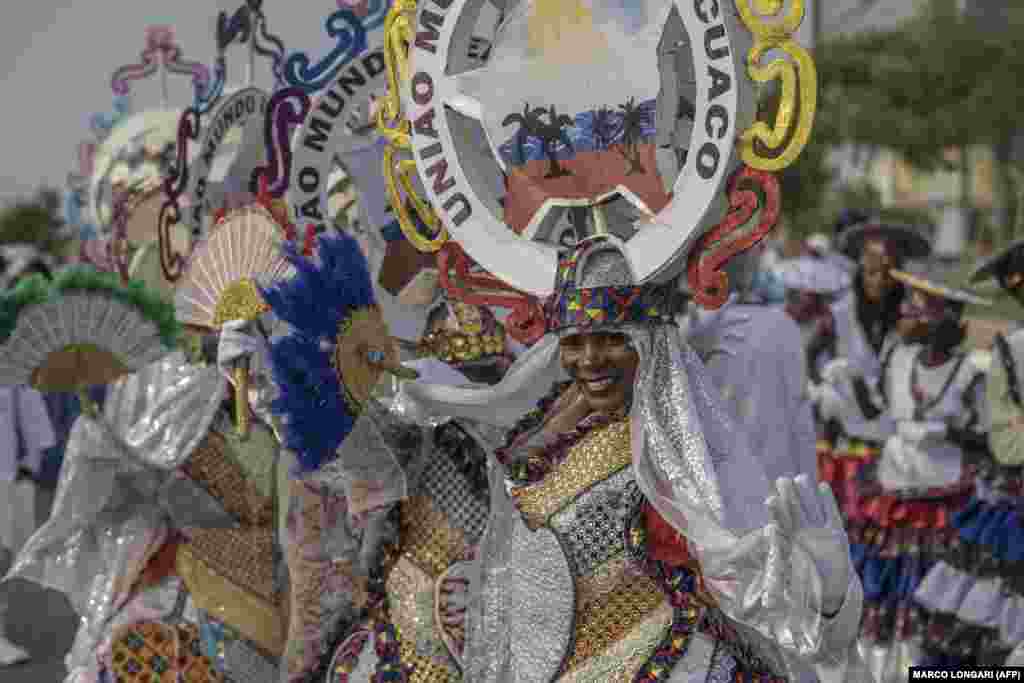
x,y
595,307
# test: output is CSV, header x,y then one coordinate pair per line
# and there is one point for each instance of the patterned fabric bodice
x,y
439,525
634,619
586,503
580,588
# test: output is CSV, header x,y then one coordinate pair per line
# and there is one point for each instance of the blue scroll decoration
x,y
349,33
103,123
74,213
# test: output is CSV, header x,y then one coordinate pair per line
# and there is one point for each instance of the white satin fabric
x,y
922,456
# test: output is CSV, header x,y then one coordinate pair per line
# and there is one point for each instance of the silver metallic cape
x,y
118,490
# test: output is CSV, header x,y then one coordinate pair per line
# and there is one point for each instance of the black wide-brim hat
x,y
908,241
998,264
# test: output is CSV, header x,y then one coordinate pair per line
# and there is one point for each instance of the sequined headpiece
x,y
595,287
463,333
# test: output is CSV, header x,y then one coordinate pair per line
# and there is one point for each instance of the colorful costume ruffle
x,y
974,597
840,465
894,541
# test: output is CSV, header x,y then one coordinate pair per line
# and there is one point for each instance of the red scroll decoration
x,y
713,250
525,323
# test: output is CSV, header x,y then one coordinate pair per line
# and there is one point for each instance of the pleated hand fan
x,y
83,329
338,347
222,280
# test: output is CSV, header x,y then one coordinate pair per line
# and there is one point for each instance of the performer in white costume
x,y
900,521
862,326
976,596
621,595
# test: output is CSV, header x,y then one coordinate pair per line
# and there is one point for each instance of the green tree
x,y
940,81
35,221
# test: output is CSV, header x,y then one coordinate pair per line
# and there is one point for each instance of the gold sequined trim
x,y
245,556
601,624
603,581
428,539
411,607
621,662
211,466
596,457
241,300
258,620
424,669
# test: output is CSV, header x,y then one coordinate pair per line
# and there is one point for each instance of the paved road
x,y
40,621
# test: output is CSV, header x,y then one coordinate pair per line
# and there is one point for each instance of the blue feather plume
x,y
323,293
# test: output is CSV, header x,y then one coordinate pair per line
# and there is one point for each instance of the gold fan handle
x,y
89,407
242,400
378,360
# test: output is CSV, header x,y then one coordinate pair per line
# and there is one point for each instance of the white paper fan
x,y
86,331
242,251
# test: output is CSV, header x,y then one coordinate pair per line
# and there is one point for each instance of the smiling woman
x,y
603,367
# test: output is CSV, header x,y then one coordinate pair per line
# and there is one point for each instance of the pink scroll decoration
x,y
160,47
749,190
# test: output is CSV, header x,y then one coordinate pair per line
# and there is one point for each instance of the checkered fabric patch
x,y
453,495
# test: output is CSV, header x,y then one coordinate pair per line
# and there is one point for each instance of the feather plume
x,y
322,295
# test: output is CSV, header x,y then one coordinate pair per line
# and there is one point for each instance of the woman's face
x,y
876,265
919,313
603,365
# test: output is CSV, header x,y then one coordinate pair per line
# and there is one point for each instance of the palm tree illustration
x,y
604,128
529,126
632,125
551,132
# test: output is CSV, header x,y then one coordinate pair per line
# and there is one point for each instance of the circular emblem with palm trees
x,y
586,116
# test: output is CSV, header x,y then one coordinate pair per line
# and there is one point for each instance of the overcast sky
x,y
58,56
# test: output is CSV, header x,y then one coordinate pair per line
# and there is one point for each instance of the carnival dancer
x,y
213,588
975,597
754,358
368,473
861,327
196,592
900,522
578,575
117,494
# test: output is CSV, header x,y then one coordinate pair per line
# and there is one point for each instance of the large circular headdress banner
x,y
648,106
325,135
569,104
246,107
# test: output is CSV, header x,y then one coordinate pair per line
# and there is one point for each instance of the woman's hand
x,y
569,410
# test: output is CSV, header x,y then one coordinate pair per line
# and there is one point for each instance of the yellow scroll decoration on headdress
x,y
393,124
794,117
